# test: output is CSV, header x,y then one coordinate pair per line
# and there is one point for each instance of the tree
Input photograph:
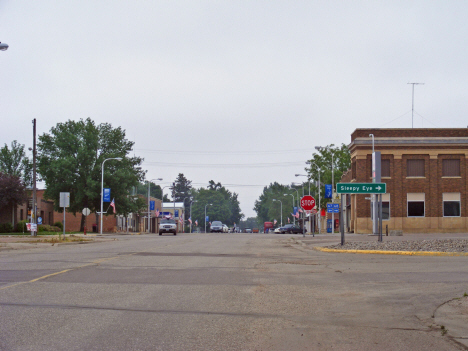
x,y
12,191
269,210
225,206
322,162
14,162
70,159
182,191
155,191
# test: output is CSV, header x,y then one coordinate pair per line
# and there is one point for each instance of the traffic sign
x,y
333,208
361,188
307,203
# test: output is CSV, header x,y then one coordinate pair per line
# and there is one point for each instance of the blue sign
x,y
151,205
176,214
328,191
207,219
333,208
295,210
106,195
39,220
329,225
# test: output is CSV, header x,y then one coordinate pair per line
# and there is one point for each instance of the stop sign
x,y
307,203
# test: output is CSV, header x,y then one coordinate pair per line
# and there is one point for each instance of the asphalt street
x,y
223,292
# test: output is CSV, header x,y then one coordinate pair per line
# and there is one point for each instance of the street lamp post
x,y
294,217
304,175
333,184
102,185
149,211
281,210
205,215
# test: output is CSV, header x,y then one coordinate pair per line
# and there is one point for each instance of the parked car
x,y
168,226
289,228
248,230
225,228
277,230
216,227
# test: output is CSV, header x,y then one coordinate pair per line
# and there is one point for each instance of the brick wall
x,y
410,132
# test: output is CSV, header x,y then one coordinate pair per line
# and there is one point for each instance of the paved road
x,y
222,292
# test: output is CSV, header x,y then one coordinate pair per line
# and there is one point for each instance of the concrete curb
x,y
383,252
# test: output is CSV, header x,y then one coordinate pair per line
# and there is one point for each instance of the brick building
x,y
426,175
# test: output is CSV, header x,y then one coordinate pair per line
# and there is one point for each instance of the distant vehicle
x,y
290,228
168,226
216,227
225,228
248,230
277,230
268,227
255,230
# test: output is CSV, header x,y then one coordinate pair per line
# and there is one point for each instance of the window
x,y
385,168
21,214
385,207
416,204
415,168
450,168
451,204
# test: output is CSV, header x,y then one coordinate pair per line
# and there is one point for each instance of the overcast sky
x,y
249,87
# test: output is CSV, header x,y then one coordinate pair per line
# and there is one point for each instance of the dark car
x,y
216,227
291,229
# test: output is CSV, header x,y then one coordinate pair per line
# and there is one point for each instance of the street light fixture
x,y
205,215
304,175
333,184
281,210
149,211
294,217
3,46
102,185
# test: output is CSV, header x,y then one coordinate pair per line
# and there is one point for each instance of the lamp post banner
x,y
151,205
328,191
107,195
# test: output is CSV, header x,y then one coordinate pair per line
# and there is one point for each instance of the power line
x,y
226,165
258,152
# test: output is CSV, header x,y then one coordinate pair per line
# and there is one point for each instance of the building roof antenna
x,y
412,105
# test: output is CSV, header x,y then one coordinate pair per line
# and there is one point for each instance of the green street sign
x,y
361,188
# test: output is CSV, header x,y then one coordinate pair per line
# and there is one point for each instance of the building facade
x,y
426,175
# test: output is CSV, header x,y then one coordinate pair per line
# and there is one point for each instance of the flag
x,y
190,220
113,204
181,220
289,220
210,223
196,222
157,213
274,222
300,210
297,214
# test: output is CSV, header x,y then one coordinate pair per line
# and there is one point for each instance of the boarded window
x,y
450,168
415,168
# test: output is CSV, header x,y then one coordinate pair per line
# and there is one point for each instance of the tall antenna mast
x,y
412,105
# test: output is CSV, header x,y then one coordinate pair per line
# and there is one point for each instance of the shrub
x,y
59,224
20,225
6,228
48,228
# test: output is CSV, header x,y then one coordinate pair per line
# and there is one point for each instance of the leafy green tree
x,y
14,162
322,162
155,191
269,210
12,192
70,159
182,191
251,222
225,205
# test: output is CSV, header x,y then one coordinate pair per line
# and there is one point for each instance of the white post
x,y
102,185
333,190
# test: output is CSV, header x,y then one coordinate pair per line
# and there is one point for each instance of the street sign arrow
x,y
361,188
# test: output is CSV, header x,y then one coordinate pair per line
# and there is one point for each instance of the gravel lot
x,y
435,245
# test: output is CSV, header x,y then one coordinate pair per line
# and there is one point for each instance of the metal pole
x,y
64,221
333,200
320,208
34,206
281,202
102,185
149,213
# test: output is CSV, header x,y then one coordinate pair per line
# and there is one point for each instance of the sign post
x,y
64,202
86,211
307,203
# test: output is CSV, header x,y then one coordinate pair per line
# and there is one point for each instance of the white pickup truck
x,y
168,226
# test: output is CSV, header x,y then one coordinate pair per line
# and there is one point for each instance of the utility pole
x,y
33,210
412,104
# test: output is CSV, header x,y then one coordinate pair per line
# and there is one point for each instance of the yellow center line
x,y
67,270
